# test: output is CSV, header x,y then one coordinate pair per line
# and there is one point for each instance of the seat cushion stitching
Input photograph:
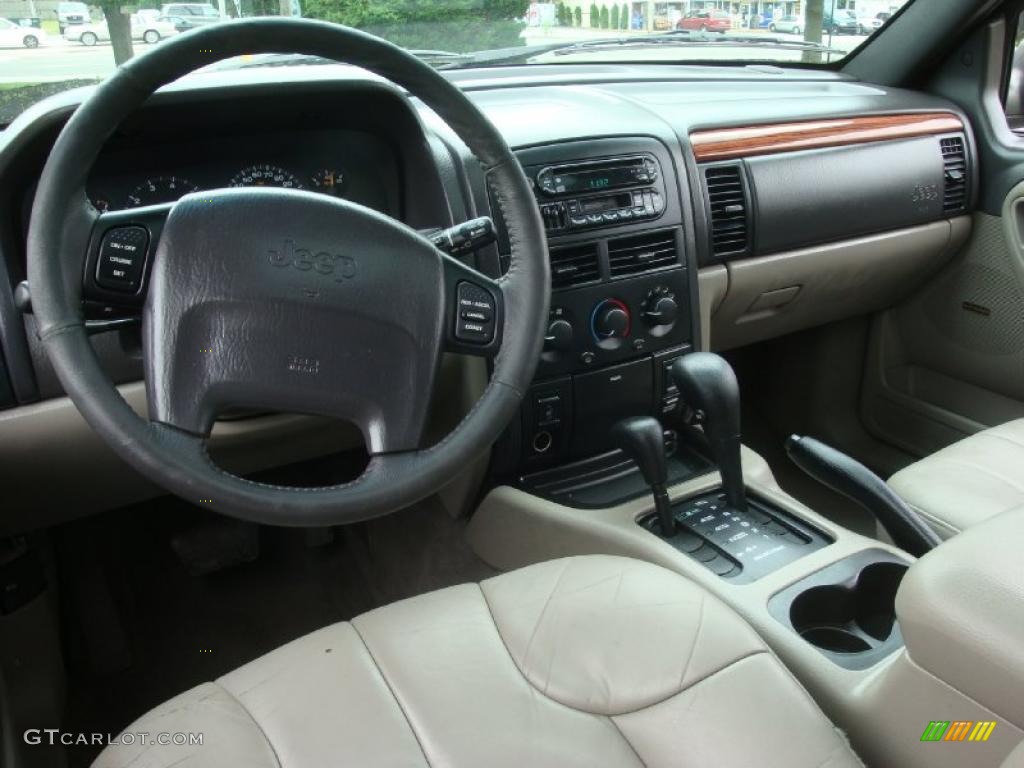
x,y
600,714
639,760
543,611
394,695
693,645
259,727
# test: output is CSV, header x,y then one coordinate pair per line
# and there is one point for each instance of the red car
x,y
706,21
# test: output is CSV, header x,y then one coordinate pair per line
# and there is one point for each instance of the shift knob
x,y
643,440
706,382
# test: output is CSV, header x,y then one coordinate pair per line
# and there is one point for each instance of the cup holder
x,y
851,617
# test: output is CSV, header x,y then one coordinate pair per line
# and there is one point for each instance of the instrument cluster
x,y
167,189
353,165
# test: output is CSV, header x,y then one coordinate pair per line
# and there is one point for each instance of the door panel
x,y
949,361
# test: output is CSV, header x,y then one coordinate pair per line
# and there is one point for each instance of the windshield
x,y
48,47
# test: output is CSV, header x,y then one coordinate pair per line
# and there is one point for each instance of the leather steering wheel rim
x,y
62,220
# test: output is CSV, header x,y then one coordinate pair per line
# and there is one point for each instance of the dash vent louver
x,y
727,200
642,253
574,265
954,166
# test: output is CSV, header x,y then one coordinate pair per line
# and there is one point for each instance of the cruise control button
x,y
122,258
475,319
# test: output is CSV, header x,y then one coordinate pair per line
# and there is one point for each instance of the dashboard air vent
x,y
642,253
574,265
728,202
954,164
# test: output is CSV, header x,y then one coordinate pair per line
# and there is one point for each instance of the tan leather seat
x,y
586,661
970,481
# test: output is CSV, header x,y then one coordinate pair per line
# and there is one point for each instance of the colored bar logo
x,y
958,730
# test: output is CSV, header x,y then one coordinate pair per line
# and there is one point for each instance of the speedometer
x,y
265,176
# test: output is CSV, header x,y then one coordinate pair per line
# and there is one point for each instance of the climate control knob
x,y
558,337
660,309
610,320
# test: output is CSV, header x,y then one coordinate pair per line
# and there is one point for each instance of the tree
x,y
595,17
604,17
120,28
615,17
462,25
577,15
815,12
624,17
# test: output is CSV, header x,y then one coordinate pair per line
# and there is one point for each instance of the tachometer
x,y
161,189
265,176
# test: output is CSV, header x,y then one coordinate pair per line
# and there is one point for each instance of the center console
x,y
622,305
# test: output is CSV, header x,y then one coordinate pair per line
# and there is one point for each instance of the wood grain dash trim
x,y
732,143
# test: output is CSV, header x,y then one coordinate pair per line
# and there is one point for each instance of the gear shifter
x,y
643,440
707,383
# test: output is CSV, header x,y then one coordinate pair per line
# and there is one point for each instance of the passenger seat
x,y
967,482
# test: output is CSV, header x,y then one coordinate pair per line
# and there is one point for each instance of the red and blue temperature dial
x,y
610,319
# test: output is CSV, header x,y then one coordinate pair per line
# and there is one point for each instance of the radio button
x,y
578,221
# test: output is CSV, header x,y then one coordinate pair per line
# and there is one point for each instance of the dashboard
x,y
685,209
341,163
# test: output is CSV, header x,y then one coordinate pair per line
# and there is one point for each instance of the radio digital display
x,y
590,181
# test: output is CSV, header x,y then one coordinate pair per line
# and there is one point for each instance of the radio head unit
x,y
598,193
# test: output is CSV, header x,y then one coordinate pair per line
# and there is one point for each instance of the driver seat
x,y
585,661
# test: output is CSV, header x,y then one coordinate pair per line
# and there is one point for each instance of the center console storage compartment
x,y
847,610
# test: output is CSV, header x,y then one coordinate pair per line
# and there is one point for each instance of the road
x,y
59,60
62,60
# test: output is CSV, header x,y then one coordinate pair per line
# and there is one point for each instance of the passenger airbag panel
x,y
818,196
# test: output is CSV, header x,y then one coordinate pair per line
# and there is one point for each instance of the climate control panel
x,y
589,327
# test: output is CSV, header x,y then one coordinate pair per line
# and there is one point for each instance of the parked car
x,y
186,16
16,36
144,28
791,24
839,22
868,24
70,13
706,21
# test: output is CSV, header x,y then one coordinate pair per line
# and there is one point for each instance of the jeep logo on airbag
x,y
321,262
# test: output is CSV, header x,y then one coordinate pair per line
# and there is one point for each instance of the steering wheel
x,y
286,300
